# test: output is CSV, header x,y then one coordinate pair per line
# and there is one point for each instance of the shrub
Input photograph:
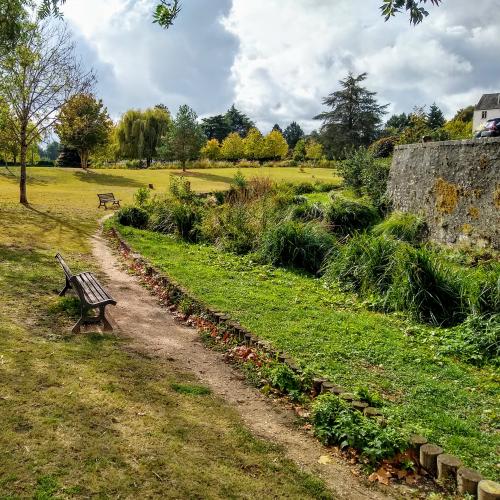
x,y
303,187
306,211
345,216
406,227
296,244
284,378
142,197
375,177
133,216
186,219
384,147
335,423
180,188
232,228
353,167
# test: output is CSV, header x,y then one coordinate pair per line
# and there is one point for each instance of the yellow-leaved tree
x,y
254,144
233,147
211,150
275,145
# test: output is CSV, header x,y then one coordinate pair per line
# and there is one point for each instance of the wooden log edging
x,y
441,466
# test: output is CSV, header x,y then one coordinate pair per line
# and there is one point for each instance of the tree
x,y
253,145
216,127
277,128
435,117
233,147
314,150
414,7
292,134
275,146
465,114
397,123
354,119
299,152
140,132
238,122
37,78
51,152
417,129
185,137
83,124
211,149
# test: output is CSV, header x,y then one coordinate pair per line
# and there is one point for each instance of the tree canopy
x,y
354,117
139,133
293,133
83,124
435,117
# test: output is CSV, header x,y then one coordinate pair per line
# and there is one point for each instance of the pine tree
x,y
354,118
435,117
277,128
238,122
293,133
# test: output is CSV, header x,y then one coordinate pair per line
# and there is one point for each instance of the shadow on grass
x,y
204,176
106,179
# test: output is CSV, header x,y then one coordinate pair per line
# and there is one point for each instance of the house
x,y
487,108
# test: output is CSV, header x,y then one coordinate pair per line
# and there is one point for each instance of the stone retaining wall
x,y
455,185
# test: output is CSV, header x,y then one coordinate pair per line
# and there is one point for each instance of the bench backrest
x,y
106,197
66,269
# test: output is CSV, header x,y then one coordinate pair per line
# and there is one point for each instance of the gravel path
x,y
151,328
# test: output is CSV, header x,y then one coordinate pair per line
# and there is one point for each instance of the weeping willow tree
x,y
139,133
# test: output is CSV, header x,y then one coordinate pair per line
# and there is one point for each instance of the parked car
x,y
490,129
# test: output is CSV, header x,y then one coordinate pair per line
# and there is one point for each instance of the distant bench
x,y
91,294
105,198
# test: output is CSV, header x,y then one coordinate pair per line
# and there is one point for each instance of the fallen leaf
x,y
324,459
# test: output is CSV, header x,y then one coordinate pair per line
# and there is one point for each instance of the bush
x,y
346,216
405,227
306,211
186,219
142,197
303,188
353,167
375,177
384,147
296,244
133,216
336,424
284,378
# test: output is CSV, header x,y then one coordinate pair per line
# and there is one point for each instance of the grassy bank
x,y
332,333
72,187
83,416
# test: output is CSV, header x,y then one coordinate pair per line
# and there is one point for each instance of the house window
x,y
484,115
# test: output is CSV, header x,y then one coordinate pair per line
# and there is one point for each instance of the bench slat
x,y
92,289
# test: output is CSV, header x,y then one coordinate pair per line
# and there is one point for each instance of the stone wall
x,y
455,185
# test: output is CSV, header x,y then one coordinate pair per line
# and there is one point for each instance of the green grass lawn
x,y
451,403
83,416
72,187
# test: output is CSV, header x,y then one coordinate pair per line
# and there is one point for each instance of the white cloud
x,y
291,54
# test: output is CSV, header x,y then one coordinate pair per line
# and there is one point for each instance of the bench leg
x,y
67,287
81,321
102,316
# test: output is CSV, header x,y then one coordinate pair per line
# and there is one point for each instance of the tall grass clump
x,y
406,227
364,264
427,287
297,244
346,216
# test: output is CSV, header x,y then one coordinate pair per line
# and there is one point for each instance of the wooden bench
x,y
105,198
91,294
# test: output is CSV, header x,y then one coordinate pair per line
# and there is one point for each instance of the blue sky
x,y
276,59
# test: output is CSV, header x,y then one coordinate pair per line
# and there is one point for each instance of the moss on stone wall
x,y
447,195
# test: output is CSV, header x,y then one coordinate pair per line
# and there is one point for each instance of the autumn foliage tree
x,y
233,147
211,150
84,125
275,146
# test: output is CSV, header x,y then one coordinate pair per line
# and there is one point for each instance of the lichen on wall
x,y
455,185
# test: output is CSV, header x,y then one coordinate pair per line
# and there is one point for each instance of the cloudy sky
x,y
277,59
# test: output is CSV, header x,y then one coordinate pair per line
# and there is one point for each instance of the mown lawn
x,y
451,403
83,416
72,187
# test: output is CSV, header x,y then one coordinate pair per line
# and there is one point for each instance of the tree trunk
x,y
183,165
148,162
22,182
84,159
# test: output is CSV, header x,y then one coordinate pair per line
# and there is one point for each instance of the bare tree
x,y
38,77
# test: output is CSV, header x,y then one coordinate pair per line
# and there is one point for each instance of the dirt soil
x,y
151,328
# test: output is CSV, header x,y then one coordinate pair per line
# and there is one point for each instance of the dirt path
x,y
151,328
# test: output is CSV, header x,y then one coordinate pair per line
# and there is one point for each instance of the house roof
x,y
489,101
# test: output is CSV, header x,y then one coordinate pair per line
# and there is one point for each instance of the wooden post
x,y
428,457
467,481
488,490
447,466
